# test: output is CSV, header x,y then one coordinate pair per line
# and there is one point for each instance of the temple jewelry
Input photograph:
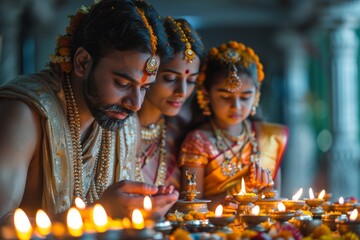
x,y
99,184
152,63
228,167
154,137
189,54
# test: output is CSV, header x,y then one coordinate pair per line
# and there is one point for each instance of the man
x,y
69,132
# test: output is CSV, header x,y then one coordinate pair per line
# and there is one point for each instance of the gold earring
x,y
253,111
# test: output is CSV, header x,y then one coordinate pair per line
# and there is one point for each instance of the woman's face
x,y
174,83
231,108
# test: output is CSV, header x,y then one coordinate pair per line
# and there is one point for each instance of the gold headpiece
x,y
232,55
152,63
189,54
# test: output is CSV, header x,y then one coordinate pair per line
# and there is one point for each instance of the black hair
x,y
117,25
175,37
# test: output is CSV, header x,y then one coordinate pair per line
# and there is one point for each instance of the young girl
x,y
231,145
174,83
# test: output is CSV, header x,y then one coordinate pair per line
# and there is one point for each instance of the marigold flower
x,y
64,41
66,66
233,44
214,51
64,51
223,47
261,75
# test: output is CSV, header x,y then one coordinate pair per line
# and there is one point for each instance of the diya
x,y
269,200
314,204
221,221
280,214
342,206
190,203
351,225
331,219
245,200
253,221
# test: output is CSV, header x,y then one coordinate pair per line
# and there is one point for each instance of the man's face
x,y
116,86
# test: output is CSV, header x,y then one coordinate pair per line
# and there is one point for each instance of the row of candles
x,y
80,221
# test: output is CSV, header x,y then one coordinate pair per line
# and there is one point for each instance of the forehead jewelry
x,y
233,82
189,54
152,63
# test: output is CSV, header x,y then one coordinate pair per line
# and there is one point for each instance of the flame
x,y
219,211
137,219
43,223
147,203
100,218
255,210
311,193
353,215
321,194
297,195
243,188
281,207
74,222
22,224
341,200
79,203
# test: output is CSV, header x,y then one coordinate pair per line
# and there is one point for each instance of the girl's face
x,y
174,83
231,108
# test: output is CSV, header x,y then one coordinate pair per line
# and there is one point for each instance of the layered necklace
x,y
232,162
153,146
99,182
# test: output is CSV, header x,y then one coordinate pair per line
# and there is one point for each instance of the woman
x,y
175,81
231,145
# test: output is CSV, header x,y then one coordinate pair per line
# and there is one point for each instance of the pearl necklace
x,y
149,137
100,181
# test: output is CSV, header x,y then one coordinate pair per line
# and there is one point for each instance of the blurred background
x,y
309,49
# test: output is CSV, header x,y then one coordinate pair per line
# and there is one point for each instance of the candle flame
x,y
321,194
219,211
43,222
243,188
100,218
74,222
281,207
147,203
353,215
311,193
137,219
22,224
255,210
79,203
297,195
341,200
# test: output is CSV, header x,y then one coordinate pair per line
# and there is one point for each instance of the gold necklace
x,y
100,181
161,145
228,167
153,131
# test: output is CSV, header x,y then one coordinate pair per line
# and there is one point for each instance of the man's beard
x,y
100,114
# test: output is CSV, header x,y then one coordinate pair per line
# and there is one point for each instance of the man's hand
x,y
121,198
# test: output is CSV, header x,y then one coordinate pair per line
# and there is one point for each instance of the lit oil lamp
x,y
342,206
137,230
280,214
43,223
315,203
352,225
74,223
295,203
22,225
221,221
254,219
100,218
331,219
245,199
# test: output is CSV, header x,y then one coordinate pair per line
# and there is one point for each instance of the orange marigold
x,y
261,75
223,47
64,41
214,51
66,66
64,51
233,44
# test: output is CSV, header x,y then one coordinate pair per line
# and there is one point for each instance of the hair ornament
x,y
152,63
189,54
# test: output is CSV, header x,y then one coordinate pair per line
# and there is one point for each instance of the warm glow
x,y
147,203
281,207
255,210
74,222
22,224
137,219
353,215
341,200
297,195
321,194
79,203
243,188
100,218
43,223
219,211
311,193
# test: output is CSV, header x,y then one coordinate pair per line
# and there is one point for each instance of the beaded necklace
x,y
228,167
100,181
154,137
